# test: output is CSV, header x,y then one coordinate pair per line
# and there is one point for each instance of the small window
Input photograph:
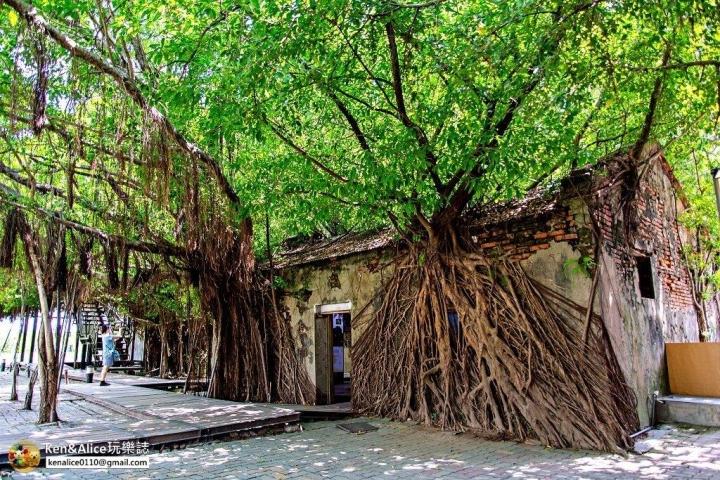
x,y
645,277
453,320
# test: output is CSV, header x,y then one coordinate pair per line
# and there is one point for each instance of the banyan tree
x,y
156,140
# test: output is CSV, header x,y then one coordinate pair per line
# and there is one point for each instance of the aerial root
x,y
517,368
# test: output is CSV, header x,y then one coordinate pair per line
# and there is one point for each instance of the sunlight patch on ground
x,y
396,450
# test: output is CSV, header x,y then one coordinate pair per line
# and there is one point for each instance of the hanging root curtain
x,y
515,367
253,355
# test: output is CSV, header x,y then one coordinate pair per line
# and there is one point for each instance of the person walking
x,y
109,354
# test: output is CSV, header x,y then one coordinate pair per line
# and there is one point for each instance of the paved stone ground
x,y
401,450
74,411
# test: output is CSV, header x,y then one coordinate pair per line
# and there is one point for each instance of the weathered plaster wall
x,y
550,249
558,267
553,248
639,327
357,279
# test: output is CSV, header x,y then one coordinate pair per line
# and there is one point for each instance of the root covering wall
x,y
554,244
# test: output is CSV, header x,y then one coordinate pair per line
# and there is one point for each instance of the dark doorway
x,y
333,343
341,344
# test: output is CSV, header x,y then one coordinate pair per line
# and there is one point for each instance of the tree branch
x,y
303,153
160,248
654,99
678,66
33,18
371,76
220,19
461,181
15,176
103,174
420,135
352,121
368,105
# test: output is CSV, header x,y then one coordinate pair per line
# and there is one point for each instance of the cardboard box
x,y
694,368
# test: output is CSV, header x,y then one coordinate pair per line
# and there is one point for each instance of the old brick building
x,y
643,291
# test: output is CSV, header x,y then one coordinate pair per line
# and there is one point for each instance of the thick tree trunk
x,y
49,379
46,351
239,304
236,345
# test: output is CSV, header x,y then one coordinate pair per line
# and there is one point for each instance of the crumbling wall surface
x,y
357,279
553,248
521,239
559,267
638,326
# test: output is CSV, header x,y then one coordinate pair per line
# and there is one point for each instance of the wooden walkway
x,y
307,412
198,417
155,416
78,375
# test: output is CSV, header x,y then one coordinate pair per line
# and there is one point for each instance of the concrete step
x,y
703,411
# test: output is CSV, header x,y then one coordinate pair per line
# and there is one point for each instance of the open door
x,y
341,345
333,343
323,361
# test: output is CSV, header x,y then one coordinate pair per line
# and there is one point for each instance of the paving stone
x,y
397,450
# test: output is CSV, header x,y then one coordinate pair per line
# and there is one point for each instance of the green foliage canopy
x,y
329,115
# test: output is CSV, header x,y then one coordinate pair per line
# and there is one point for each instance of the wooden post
x,y
89,353
85,349
32,337
24,336
77,340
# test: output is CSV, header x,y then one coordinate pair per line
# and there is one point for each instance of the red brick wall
x,y
519,239
657,236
